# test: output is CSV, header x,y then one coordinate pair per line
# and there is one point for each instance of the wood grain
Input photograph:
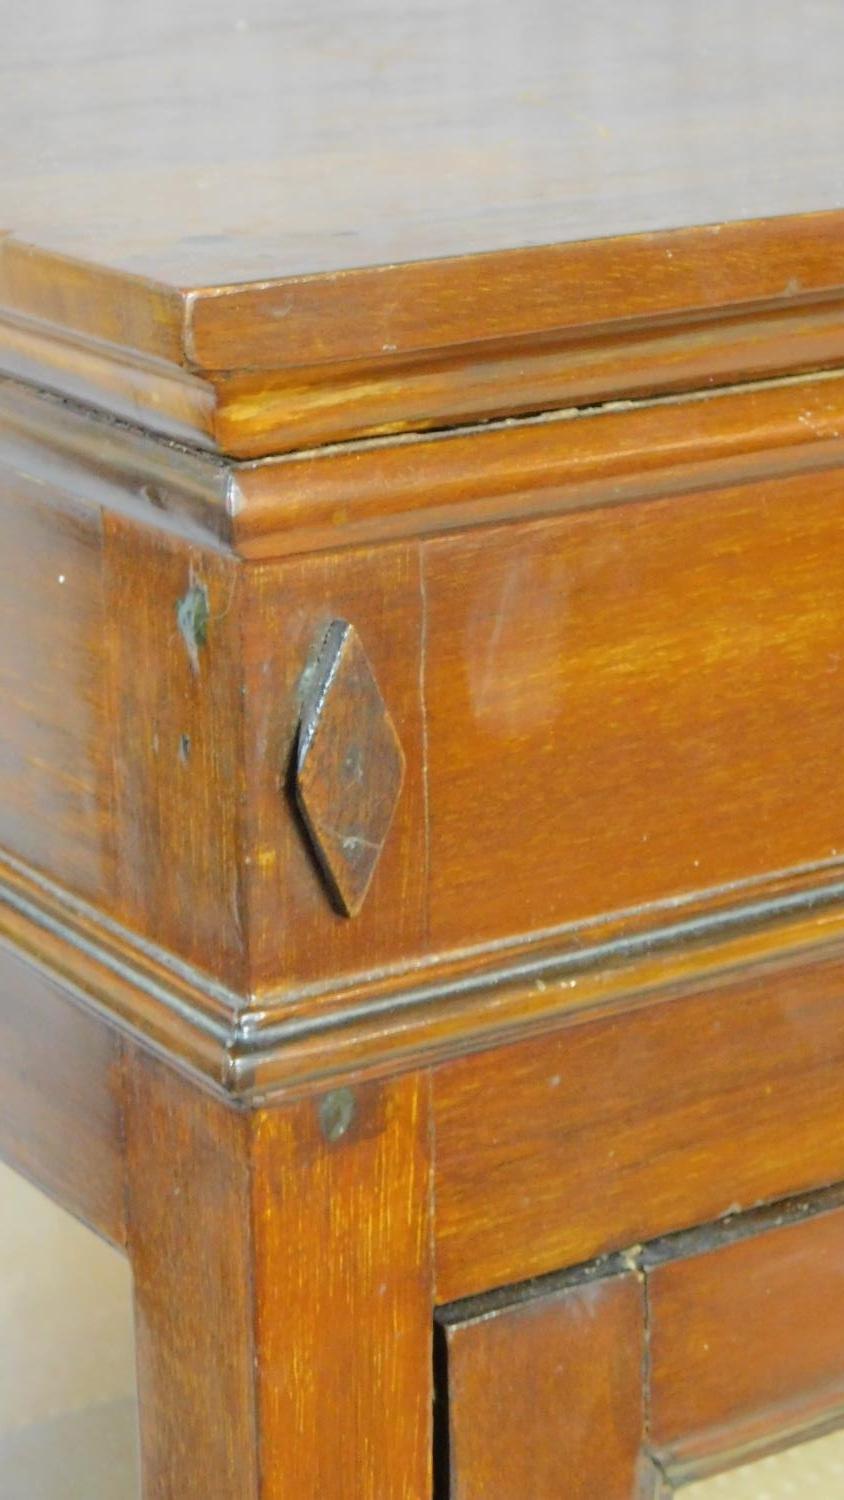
x,y
375,1025
428,344
611,1132
608,285
189,1244
608,636
745,1341
555,126
344,1296
262,412
633,691
545,1395
671,657
174,681
360,495
60,1097
296,935
54,753
635,1374
334,271
76,456
282,1269
366,494
99,689
161,398
669,650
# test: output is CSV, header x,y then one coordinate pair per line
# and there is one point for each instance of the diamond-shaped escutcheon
x,y
349,766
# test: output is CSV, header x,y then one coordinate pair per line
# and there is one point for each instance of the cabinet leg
x,y
283,1291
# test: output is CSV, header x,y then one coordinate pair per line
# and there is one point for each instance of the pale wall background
x,y
68,1413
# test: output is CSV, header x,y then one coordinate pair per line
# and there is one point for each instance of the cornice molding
x,y
537,467
263,368
99,462
379,490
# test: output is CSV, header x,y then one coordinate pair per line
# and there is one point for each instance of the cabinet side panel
x,y
54,752
176,710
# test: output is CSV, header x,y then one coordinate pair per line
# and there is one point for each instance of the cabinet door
x,y
638,1376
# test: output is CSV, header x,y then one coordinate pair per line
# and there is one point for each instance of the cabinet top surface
x,y
263,187
217,144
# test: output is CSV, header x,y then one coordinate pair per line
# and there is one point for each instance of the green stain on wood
x,y
192,613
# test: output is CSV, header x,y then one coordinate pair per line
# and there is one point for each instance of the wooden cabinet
x,y
421,727
638,1373
544,1395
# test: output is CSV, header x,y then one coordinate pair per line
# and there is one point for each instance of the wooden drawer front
x,y
545,1398
746,1340
625,1380
629,703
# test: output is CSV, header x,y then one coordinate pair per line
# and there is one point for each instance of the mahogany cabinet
x,y
422,729
642,1371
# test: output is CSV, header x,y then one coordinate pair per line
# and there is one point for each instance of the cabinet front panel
x,y
633,703
614,1130
632,1377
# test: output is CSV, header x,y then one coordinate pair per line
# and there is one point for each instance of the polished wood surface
x,y
745,1340
663,668
265,143
617,1130
188,1191
427,344
174,707
334,328
664,643
362,221
296,934
629,1377
343,1267
282,1266
282,1271
361,495
54,757
777,283
545,1397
